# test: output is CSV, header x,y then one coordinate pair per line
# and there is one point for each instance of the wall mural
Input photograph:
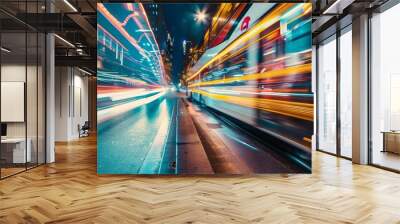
x,y
204,88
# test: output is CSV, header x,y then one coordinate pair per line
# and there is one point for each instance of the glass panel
x,y
346,94
385,84
327,96
13,86
41,99
23,88
32,87
31,98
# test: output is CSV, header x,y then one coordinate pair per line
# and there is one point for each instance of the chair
x,y
84,130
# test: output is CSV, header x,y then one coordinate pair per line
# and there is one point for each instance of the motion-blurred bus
x,y
260,71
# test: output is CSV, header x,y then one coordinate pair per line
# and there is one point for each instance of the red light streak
x,y
129,6
127,19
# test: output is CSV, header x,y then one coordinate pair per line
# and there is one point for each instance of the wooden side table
x,y
391,141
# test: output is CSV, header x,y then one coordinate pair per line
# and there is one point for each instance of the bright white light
x,y
70,5
65,41
5,50
142,31
335,7
86,72
201,16
108,113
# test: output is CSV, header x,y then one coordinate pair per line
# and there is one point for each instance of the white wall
x,y
62,82
81,113
71,102
16,73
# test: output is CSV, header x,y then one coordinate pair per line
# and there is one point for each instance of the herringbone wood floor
x,y
69,191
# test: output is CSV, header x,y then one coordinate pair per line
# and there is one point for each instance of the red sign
x,y
245,23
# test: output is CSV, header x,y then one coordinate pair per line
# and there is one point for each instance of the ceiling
x,y
74,22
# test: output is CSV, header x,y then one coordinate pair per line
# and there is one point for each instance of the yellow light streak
x,y
304,111
298,69
307,139
245,47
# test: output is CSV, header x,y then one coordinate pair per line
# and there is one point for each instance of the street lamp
x,y
143,31
201,16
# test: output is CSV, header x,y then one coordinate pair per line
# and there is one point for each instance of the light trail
x,y
103,10
112,112
259,27
161,63
294,70
303,111
111,36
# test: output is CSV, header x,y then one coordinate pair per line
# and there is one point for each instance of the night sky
x,y
181,23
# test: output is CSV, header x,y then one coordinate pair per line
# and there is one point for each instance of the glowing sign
x,y
245,23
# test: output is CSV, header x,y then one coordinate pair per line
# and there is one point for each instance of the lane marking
x,y
242,142
166,142
176,137
152,160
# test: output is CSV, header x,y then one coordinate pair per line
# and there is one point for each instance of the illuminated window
x,y
385,89
327,96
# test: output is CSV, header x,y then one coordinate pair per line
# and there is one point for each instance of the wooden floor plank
x,y
70,191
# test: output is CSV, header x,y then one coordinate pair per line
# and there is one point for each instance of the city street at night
x,y
172,135
204,88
